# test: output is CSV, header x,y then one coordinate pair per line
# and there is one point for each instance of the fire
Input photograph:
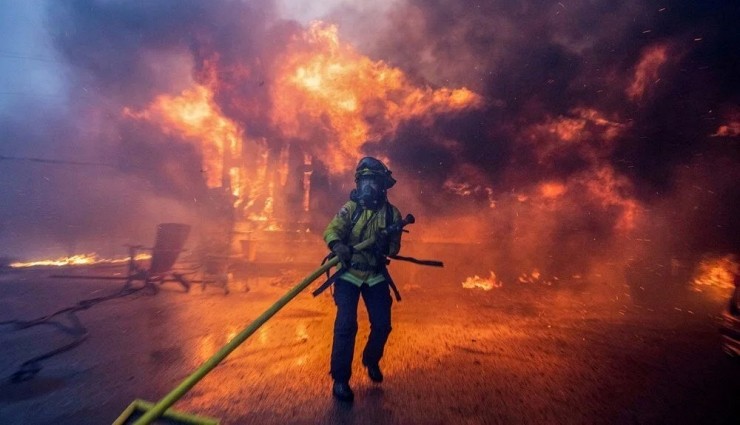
x,y
325,84
77,260
485,284
195,115
717,272
533,277
325,100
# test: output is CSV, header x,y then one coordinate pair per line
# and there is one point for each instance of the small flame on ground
x,y
536,277
485,284
530,277
77,260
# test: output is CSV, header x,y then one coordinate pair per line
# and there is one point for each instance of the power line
x,y
54,161
11,55
20,93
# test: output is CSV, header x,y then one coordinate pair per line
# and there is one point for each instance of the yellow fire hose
x,y
160,408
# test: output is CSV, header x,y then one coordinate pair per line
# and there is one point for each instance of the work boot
x,y
373,371
342,391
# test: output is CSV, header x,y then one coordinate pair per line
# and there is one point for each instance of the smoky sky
x,y
533,62
538,59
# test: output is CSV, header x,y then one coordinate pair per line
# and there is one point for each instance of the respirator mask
x,y
369,192
373,179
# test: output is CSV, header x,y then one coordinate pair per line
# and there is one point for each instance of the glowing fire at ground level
x,y
713,273
89,259
523,352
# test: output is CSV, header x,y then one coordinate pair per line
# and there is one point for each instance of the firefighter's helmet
x,y
369,166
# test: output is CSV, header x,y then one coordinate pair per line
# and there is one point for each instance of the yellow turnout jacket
x,y
365,267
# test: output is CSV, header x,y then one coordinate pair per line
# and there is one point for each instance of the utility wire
x,y
20,93
54,161
11,55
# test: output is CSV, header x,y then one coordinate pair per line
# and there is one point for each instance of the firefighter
x,y
365,274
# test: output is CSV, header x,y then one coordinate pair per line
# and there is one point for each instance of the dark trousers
x,y
378,303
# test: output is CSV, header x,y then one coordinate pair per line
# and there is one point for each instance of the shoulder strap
x,y
356,216
388,214
354,219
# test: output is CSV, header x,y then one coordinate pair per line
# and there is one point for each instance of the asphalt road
x,y
581,352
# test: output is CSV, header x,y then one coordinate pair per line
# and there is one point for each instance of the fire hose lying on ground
x,y
31,367
168,244
133,414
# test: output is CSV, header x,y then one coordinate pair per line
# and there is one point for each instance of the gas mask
x,y
369,193
373,179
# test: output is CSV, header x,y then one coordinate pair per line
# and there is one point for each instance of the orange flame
x,y
485,284
195,115
534,277
324,96
717,272
77,260
326,84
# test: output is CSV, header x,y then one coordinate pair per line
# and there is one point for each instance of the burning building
x,y
507,125
328,103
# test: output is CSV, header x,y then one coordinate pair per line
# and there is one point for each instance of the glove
x,y
343,252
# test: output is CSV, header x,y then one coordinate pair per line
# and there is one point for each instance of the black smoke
x,y
534,60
